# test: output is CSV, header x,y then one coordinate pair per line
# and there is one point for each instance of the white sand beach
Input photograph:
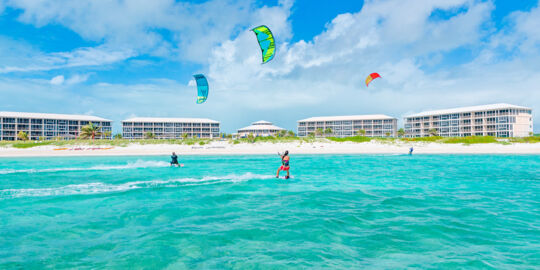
x,y
226,148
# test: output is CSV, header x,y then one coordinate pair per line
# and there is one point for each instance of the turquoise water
x,y
228,212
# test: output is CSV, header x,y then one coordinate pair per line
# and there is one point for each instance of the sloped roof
x,y
53,116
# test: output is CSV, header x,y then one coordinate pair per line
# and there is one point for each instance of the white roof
x,y
262,122
347,118
53,116
170,120
497,106
260,127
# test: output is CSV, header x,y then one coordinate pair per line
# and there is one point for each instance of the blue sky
x,y
119,59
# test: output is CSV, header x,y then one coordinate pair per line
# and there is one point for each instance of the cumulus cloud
x,y
75,79
124,29
402,40
57,80
408,42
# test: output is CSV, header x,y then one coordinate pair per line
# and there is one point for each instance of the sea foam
x,y
99,187
131,165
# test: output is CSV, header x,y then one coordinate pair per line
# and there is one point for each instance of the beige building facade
x,y
375,125
169,128
49,126
498,120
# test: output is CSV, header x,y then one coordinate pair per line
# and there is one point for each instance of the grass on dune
x,y
197,141
470,140
423,139
358,139
532,139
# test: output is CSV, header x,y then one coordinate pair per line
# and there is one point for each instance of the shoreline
x,y
225,148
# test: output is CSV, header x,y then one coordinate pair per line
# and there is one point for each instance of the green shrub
x,y
532,139
470,139
358,139
423,139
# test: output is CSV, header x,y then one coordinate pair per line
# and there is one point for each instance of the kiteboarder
x,y
174,160
284,164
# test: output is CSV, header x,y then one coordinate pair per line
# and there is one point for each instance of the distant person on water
x,y
411,150
284,164
174,160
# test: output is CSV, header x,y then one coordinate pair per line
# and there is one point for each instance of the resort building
x,y
499,120
376,125
260,129
169,128
46,126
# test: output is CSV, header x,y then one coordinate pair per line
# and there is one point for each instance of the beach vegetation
x,y
251,138
328,132
90,131
107,134
401,132
470,139
423,139
119,142
150,135
358,139
118,136
23,136
361,132
530,139
433,132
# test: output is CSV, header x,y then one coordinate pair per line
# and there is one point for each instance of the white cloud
x,y
162,28
395,38
75,79
58,80
325,76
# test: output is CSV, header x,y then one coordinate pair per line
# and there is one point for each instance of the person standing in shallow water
x,y
284,164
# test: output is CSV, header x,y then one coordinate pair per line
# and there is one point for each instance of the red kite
x,y
372,77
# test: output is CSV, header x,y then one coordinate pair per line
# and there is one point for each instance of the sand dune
x,y
225,148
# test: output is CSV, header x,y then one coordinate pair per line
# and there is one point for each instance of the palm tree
x,y
184,136
328,131
433,132
319,132
107,134
401,132
290,133
251,138
149,135
23,136
118,136
90,131
361,132
387,134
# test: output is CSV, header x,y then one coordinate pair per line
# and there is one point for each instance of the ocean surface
x,y
229,212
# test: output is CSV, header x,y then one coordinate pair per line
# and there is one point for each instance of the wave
x,y
130,165
99,188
